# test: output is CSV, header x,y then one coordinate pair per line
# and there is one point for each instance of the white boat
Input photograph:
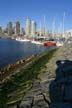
x,y
58,43
36,42
22,40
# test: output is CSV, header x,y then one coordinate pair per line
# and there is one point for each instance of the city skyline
x,y
13,10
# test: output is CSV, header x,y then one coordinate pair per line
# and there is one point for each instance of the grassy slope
x,y
17,85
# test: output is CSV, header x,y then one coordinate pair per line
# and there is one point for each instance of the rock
x,y
40,102
27,102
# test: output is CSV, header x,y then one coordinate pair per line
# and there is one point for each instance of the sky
x,y
13,10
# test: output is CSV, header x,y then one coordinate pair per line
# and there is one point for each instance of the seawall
x,y
5,71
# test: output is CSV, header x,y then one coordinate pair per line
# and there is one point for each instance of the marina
x,y
44,41
36,54
12,50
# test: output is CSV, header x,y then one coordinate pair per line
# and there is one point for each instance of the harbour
x,y
12,50
36,54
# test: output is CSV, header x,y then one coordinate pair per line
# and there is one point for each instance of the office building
x,y
28,27
33,28
9,28
0,29
22,31
17,28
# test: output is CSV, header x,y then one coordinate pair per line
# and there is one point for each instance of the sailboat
x,y
37,39
51,43
61,43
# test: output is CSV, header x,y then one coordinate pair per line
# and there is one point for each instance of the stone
x,y
40,102
27,102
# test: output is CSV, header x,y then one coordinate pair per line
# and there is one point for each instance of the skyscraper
x,y
0,29
22,31
17,28
28,27
33,28
9,28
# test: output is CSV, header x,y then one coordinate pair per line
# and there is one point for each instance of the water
x,y
11,51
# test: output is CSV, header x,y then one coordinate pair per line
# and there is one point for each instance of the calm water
x,y
11,50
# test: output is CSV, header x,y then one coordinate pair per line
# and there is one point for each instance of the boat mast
x,y
40,28
63,25
53,28
60,29
44,24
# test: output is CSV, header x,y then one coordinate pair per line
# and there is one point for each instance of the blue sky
x,y
12,10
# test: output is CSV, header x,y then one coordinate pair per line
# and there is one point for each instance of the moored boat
x,y
36,42
58,44
22,40
50,43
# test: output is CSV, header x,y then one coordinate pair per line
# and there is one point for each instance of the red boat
x,y
49,44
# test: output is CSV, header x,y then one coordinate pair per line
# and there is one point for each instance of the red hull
x,y
49,44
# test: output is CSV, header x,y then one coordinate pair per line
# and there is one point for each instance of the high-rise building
x,y
22,31
17,28
0,29
13,29
28,27
33,28
9,28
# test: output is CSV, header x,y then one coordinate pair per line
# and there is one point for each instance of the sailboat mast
x,y
53,28
40,28
44,24
63,24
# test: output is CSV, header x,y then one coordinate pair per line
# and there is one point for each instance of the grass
x,y
22,80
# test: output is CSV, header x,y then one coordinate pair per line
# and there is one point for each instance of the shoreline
x,y
8,69
31,72
11,67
